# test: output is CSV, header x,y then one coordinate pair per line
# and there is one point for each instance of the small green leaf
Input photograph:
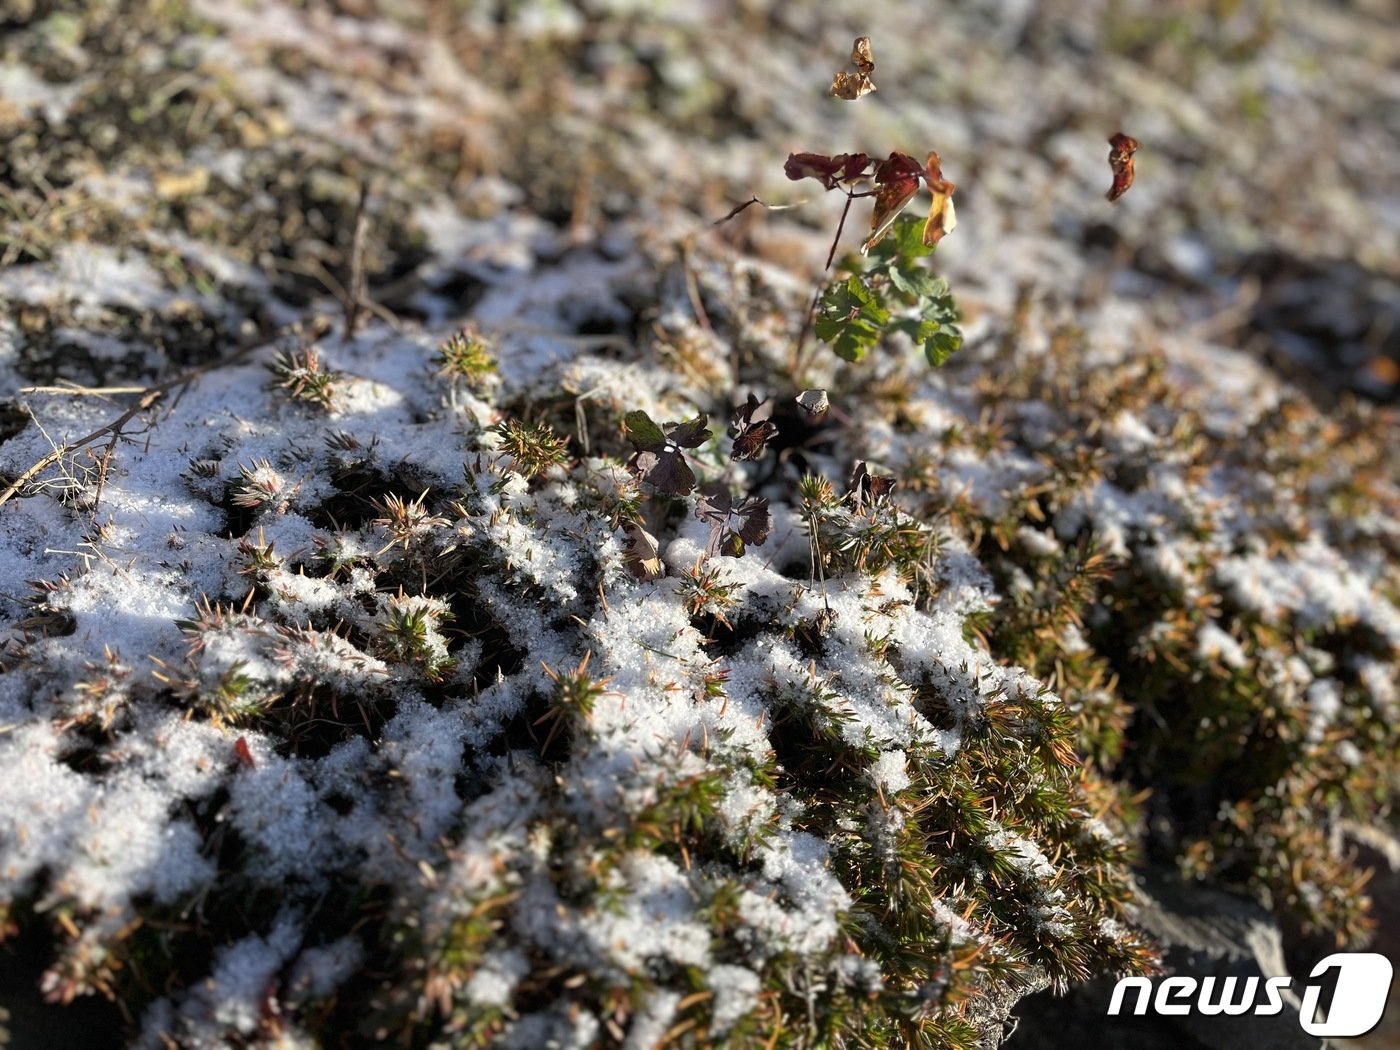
x,y
905,241
859,293
854,313
915,282
642,432
940,346
851,340
916,328
850,318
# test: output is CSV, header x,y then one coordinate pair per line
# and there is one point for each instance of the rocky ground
x,y
398,642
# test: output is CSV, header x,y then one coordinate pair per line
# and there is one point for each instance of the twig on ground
x,y
692,288
114,430
355,294
317,269
75,390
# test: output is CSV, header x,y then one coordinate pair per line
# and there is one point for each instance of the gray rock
x,y
996,1019
1205,932
1380,850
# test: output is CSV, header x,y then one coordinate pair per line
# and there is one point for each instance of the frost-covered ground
x,y
342,694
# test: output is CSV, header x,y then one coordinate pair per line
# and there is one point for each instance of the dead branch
x,y
752,201
113,430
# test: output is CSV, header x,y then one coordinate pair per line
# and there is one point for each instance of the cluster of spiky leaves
x,y
660,462
464,357
859,733
299,374
735,796
1212,633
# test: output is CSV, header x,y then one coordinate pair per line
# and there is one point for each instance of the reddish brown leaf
x,y
867,489
244,753
829,171
898,178
690,434
1120,159
754,520
659,460
941,217
811,166
753,429
666,471
732,526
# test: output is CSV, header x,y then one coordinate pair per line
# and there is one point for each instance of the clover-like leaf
x,y
713,509
659,460
867,489
914,281
666,471
898,178
690,434
642,432
732,526
753,429
714,504
755,523
850,318
941,345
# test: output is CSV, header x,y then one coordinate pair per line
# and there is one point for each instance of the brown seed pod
x,y
852,86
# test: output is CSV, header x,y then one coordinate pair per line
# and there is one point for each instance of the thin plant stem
x,y
798,359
